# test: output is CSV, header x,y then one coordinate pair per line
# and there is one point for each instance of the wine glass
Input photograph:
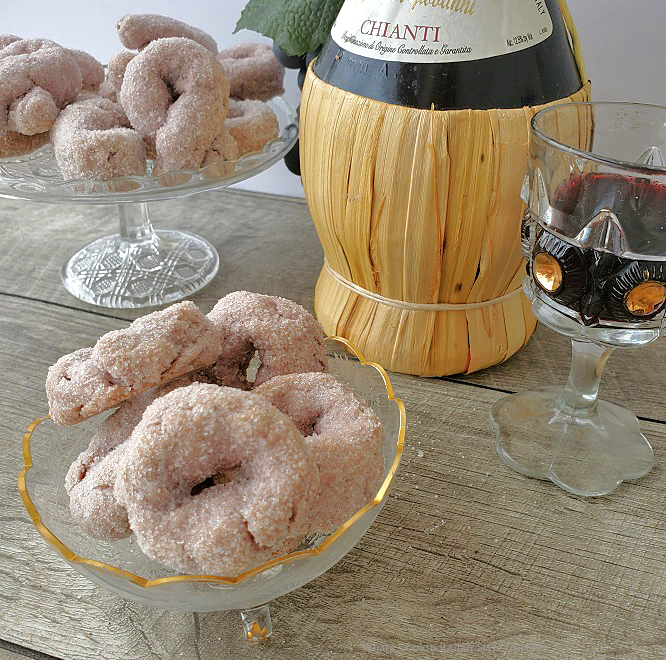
x,y
594,236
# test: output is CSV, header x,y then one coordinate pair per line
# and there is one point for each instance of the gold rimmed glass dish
x,y
122,568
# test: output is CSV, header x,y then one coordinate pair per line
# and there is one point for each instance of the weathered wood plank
x,y
269,244
466,551
6,654
266,244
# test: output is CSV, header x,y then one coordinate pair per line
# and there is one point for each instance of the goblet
x,y
594,237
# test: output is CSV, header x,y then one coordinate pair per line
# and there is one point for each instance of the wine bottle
x,y
451,54
419,210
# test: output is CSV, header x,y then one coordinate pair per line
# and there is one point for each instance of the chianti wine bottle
x,y
451,54
413,144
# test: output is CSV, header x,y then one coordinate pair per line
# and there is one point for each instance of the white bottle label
x,y
440,30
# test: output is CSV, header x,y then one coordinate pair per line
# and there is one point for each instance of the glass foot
x,y
257,624
587,453
113,272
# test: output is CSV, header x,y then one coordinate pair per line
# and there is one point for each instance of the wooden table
x,y
465,551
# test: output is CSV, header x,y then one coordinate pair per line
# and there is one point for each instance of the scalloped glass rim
x,y
19,177
70,556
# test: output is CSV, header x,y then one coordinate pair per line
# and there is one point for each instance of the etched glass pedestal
x,y
140,267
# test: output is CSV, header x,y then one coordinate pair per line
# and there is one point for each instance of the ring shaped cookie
x,y
286,337
253,71
344,435
153,350
136,31
186,437
175,93
252,124
92,139
37,79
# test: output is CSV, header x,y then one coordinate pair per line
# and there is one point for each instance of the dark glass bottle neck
x,y
539,74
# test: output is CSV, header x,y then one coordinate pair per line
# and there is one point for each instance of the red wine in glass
x,y
599,249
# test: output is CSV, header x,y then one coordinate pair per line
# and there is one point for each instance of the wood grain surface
x,y
465,552
6,654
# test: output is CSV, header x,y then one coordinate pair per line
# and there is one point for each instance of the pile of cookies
x,y
177,101
214,471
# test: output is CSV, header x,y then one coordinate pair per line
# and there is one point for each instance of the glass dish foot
x,y
140,267
257,624
587,452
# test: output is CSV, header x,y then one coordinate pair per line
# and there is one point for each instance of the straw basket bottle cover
x,y
414,145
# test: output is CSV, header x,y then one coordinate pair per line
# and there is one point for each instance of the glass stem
x,y
587,365
135,225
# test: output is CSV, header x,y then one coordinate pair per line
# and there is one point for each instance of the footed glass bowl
x,y
122,568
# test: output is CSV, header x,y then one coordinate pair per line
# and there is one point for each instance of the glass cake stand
x,y
122,568
140,266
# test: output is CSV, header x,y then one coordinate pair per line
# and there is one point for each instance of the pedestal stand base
x,y
111,272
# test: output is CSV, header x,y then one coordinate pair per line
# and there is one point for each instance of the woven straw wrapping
x,y
419,206
422,206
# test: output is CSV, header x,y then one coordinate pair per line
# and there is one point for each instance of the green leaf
x,y
297,26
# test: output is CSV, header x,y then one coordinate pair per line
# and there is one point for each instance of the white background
x,y
624,43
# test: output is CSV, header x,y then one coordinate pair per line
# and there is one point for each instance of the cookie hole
x,y
217,479
253,367
171,86
310,427
200,487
